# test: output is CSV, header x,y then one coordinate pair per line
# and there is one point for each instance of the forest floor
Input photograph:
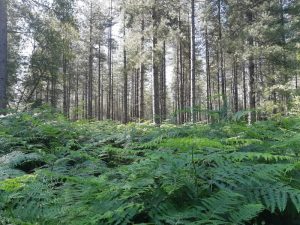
x,y
53,171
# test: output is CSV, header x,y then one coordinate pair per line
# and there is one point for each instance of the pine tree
x,y
3,54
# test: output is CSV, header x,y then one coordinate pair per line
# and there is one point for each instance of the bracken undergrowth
x,y
53,171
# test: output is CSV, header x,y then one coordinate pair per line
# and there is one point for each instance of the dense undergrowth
x,y
53,171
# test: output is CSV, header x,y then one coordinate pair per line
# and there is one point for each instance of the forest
x,y
150,112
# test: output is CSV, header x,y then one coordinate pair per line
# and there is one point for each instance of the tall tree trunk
x,y
164,105
221,63
102,100
132,95
193,62
142,77
251,68
86,84
155,67
163,84
3,54
208,75
83,100
244,88
181,75
109,103
125,77
47,91
65,87
77,95
69,95
282,23
286,94
218,80
137,78
53,90
235,86
252,87
112,97
178,114
187,85
90,72
99,115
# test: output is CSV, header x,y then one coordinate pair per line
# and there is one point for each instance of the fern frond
x,y
245,213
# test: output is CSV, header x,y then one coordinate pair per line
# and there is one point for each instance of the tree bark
x,y
90,72
77,95
53,89
244,88
235,86
155,68
163,85
109,103
3,54
181,75
125,77
251,68
221,64
136,102
208,75
142,77
177,84
65,87
99,115
193,62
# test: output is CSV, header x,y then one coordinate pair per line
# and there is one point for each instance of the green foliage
x,y
58,172
15,184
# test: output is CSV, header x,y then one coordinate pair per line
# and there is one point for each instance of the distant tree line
x,y
113,59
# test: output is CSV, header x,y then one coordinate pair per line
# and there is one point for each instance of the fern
x,y
107,173
245,213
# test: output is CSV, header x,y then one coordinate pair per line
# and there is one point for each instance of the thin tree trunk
x,y
102,101
244,88
83,101
178,85
221,59
112,91
208,76
251,68
47,91
218,80
155,69
193,62
109,103
235,86
142,77
136,105
99,115
77,95
3,54
181,110
125,77
164,84
132,94
65,104
53,90
86,95
90,73
69,96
